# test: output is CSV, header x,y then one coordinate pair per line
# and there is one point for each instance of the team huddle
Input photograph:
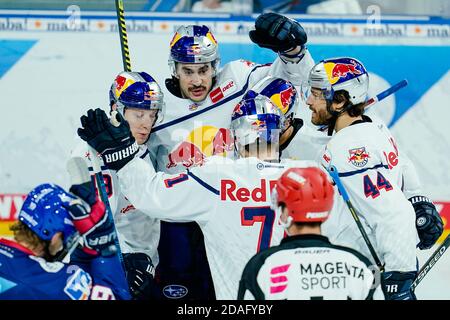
x,y
218,190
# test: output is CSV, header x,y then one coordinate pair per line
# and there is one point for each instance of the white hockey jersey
x,y
136,231
307,267
230,200
371,167
191,132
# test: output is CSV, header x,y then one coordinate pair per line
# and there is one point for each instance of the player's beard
x,y
320,117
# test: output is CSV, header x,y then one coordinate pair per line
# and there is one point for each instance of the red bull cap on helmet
x,y
193,44
256,118
336,74
281,92
137,90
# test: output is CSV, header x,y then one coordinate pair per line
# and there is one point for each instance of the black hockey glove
x,y
116,145
140,275
277,32
429,223
397,285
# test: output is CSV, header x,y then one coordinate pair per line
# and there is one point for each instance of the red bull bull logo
x,y
358,157
237,111
259,124
186,153
194,50
121,83
338,71
199,144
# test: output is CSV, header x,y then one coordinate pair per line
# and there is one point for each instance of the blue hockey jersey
x,y
24,276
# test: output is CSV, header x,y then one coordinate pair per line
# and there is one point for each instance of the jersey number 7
x,y
264,215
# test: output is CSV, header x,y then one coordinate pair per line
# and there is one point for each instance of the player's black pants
x,y
183,263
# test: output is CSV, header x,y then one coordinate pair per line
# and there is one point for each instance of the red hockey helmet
x,y
306,192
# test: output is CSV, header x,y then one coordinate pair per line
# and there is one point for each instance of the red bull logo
x,y
237,111
194,50
188,154
358,157
121,83
201,143
284,99
223,141
337,71
259,124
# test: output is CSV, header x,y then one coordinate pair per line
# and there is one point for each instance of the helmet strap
x,y
286,225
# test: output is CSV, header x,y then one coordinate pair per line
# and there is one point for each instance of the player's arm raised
x,y
181,197
287,38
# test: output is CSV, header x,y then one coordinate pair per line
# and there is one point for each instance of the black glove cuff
x,y
417,199
116,159
292,58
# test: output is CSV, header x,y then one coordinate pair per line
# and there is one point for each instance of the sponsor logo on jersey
x,y
6,284
230,87
175,291
200,143
358,157
78,286
193,106
278,278
391,156
229,191
222,91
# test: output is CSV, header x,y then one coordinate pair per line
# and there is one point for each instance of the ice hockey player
x,y
201,97
48,224
230,200
301,140
306,266
139,99
372,169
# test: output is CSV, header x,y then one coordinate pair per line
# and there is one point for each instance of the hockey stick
x,y
123,36
431,262
72,243
386,93
96,166
381,96
335,175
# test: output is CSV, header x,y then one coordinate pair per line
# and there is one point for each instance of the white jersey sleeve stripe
x,y
203,183
352,173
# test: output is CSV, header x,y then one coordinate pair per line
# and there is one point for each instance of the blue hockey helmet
x,y
136,90
281,92
45,212
256,118
193,44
